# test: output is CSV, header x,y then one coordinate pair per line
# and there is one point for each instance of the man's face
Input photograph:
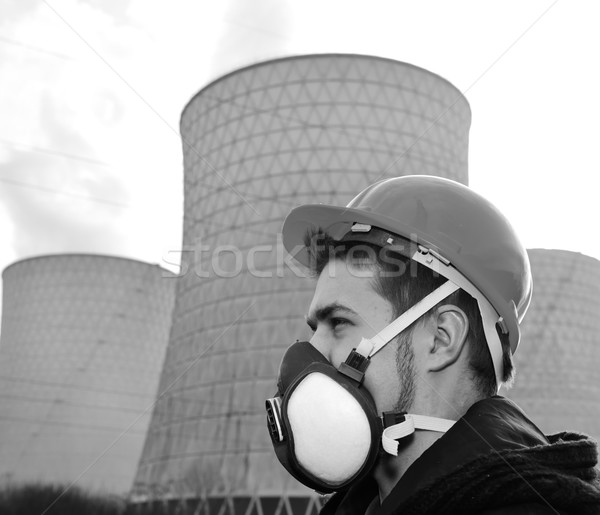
x,y
344,309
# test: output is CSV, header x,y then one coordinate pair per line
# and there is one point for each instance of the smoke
x,y
255,31
60,204
68,213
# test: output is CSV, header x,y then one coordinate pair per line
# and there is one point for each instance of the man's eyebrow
x,y
324,312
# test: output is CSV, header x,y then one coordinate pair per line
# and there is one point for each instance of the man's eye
x,y
338,323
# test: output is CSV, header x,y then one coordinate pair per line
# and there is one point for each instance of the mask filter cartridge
x,y
332,436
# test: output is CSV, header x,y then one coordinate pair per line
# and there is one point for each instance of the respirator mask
x,y
324,424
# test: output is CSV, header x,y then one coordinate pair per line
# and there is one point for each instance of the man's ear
x,y
451,327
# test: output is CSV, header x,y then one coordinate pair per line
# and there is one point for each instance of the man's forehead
x,y
344,286
339,278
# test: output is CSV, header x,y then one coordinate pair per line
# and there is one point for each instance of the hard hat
x,y
449,219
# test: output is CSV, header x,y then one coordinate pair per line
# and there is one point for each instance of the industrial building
x,y
558,361
256,143
83,342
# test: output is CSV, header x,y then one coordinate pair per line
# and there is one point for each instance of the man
x,y
393,403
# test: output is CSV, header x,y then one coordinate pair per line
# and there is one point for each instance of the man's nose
x,y
322,343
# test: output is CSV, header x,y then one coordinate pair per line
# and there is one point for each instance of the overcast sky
x,y
91,93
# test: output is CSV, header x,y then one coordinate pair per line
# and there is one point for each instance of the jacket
x,y
493,461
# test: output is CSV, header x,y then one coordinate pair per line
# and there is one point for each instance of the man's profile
x,y
393,404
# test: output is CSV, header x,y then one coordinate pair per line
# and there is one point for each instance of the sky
x,y
91,93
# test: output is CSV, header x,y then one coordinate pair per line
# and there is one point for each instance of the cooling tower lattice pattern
x,y
257,143
83,342
558,360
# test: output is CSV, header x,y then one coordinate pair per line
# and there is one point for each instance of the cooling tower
x,y
82,346
257,143
558,360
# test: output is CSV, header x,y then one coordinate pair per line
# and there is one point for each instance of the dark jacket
x,y
493,461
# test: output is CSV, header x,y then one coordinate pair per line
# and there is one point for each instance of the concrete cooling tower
x,y
558,360
82,346
256,143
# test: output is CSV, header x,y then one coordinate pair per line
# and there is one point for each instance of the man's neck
x,y
390,469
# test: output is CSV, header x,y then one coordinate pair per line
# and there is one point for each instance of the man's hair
x,y
404,282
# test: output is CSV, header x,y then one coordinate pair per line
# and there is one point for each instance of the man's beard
x,y
405,364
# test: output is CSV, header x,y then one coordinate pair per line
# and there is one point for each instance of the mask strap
x,y
407,427
369,347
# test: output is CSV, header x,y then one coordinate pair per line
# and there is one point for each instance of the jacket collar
x,y
491,425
